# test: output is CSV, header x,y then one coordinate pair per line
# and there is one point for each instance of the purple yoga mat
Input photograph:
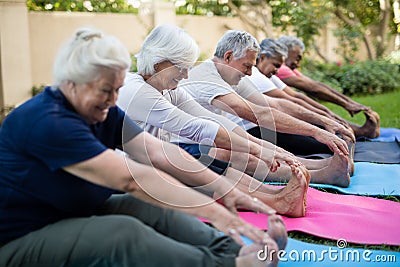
x,y
356,219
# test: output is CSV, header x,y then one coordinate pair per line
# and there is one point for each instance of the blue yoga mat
x,y
298,253
371,179
386,135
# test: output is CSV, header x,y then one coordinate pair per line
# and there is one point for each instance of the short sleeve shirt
x,y
204,84
285,72
259,80
37,140
262,84
169,111
278,82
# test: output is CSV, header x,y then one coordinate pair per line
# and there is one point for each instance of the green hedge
x,y
368,77
110,6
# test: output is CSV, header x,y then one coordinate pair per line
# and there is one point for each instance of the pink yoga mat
x,y
356,219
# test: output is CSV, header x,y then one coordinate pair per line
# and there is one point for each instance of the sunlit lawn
x,y
387,105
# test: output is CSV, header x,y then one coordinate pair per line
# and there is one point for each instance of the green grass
x,y
387,105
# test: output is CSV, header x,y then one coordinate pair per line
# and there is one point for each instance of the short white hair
x,y
237,41
167,42
82,57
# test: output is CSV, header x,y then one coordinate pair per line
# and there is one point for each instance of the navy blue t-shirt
x,y
37,139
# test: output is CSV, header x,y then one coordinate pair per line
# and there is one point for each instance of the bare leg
x,y
370,128
334,170
337,173
315,164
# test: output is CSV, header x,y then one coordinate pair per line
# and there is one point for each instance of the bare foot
x,y
291,200
370,128
265,254
277,230
352,147
337,173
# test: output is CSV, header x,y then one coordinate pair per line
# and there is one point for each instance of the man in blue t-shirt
x,y
59,172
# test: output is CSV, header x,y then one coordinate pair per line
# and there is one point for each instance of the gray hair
x,y
272,48
237,41
291,41
81,57
167,43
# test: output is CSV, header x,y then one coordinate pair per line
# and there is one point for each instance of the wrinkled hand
x,y
354,108
339,119
334,143
268,156
282,155
235,227
236,199
336,128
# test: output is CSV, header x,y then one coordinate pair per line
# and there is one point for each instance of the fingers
x,y
347,133
240,228
231,207
339,146
260,207
235,235
274,166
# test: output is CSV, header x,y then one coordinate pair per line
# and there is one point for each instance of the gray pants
x,y
124,232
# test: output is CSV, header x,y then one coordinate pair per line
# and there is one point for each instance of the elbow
x,y
161,157
130,186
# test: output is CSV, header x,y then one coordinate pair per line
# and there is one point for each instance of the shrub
x,y
111,6
37,89
368,77
4,112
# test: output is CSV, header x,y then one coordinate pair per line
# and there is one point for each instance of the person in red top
x,y
289,74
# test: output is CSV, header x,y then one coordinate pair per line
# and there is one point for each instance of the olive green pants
x,y
124,232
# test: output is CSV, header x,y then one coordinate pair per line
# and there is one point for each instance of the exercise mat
x,y
357,219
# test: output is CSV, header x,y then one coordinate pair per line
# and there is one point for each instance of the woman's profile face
x,y
167,76
92,100
269,66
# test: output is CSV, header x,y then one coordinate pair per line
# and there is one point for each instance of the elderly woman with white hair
x,y
61,180
153,98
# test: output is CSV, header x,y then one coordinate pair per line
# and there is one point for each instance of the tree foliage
x,y
368,21
115,6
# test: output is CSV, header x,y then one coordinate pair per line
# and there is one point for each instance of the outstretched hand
x,y
236,227
236,199
334,143
354,108
337,128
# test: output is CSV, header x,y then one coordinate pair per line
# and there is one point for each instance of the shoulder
x,y
285,72
259,80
